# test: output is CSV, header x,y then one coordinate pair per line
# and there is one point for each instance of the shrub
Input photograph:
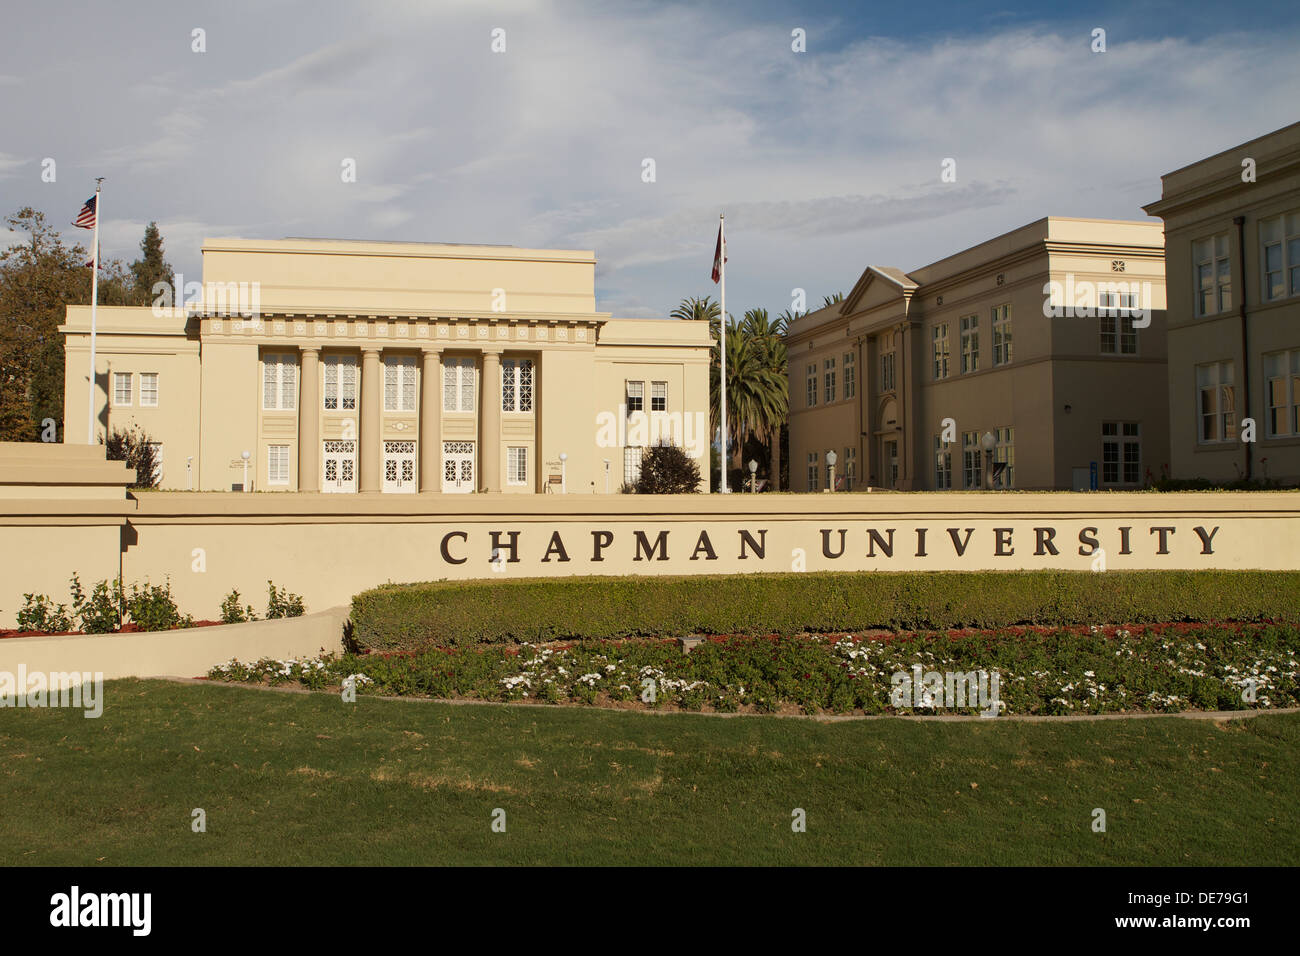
x,y
280,603
138,451
152,608
667,470
40,614
450,613
233,613
101,613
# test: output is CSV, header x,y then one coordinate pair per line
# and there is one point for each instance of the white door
x,y
339,467
399,467
457,466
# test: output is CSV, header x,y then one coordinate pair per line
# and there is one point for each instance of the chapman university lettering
x,y
833,544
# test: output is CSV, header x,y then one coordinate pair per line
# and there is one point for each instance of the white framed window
x,y
850,468
277,464
1115,311
812,471
970,344
516,385
122,389
1121,453
658,396
850,375
972,460
516,465
1001,334
458,385
887,372
632,464
1004,453
939,350
829,374
148,389
1280,256
942,464
636,400
812,385
1282,393
279,381
340,392
1212,274
1216,403
399,383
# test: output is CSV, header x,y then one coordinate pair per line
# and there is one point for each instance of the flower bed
x,y
1160,668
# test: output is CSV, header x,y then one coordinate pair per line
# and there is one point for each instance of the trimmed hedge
x,y
409,617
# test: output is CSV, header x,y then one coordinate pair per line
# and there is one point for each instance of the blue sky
x,y
825,161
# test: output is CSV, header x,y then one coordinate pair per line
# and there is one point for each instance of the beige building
x,y
1046,343
1232,228
338,366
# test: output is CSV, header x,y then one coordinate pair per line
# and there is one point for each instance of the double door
x,y
457,466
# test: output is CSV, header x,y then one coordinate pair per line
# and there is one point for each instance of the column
x,y
430,447
309,421
490,424
370,392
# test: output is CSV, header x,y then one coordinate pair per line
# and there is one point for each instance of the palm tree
x,y
832,299
696,310
757,393
768,339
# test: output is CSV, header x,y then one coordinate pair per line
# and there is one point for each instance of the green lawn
x,y
307,779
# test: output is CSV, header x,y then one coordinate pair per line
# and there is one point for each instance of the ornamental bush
x,y
667,470
452,613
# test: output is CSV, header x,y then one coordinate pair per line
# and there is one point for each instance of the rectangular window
x,y
830,380
812,471
1216,403
887,372
631,465
970,343
635,398
658,396
850,468
516,466
942,465
149,389
971,460
458,385
1115,310
1121,453
1001,334
1282,393
279,382
1280,256
122,388
277,464
340,383
850,375
399,383
1004,453
812,385
939,343
517,385
1212,274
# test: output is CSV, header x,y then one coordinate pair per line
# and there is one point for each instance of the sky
x,y
824,161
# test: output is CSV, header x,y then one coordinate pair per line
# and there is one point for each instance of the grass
x,y
307,779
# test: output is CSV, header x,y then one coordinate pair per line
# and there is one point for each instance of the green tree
x,y
757,394
697,310
832,299
151,268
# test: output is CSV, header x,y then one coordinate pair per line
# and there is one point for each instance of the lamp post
x,y
988,441
830,470
246,455
564,473
753,475
606,476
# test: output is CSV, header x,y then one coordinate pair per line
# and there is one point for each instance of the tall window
x,y
887,372
1281,256
1216,402
340,383
850,375
812,471
1282,390
516,466
122,388
970,343
939,343
830,380
850,468
458,386
516,385
399,383
1004,452
1118,336
1001,334
971,460
635,397
942,464
631,464
279,382
277,464
658,396
149,389
1121,453
1213,275
812,385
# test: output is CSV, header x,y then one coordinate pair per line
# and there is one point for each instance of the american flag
x,y
86,218
718,256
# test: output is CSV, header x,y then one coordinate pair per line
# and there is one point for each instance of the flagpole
x,y
722,349
94,302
